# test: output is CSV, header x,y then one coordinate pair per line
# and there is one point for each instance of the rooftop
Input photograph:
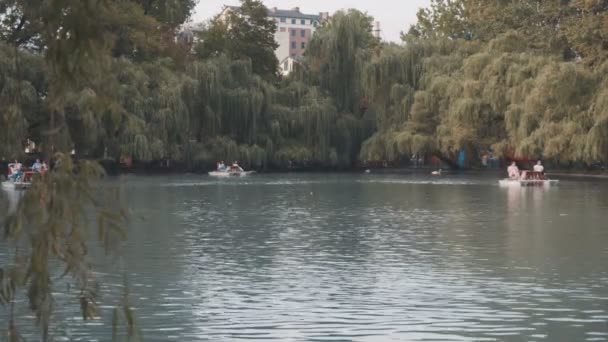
x,y
281,13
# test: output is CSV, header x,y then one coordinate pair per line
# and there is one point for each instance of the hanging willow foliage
x,y
336,56
51,226
21,82
477,97
351,98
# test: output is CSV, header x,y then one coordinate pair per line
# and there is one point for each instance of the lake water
x,y
347,257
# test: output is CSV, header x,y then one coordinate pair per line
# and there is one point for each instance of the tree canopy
x,y
245,32
520,78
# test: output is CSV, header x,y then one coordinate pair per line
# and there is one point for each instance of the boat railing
x,y
532,175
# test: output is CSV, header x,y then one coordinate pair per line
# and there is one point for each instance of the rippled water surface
x,y
360,258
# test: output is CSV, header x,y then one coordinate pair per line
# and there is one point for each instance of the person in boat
x,y
539,167
236,168
513,171
37,166
222,167
15,171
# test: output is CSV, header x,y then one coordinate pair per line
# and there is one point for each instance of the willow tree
x,y
73,41
555,118
21,83
304,126
407,88
336,55
502,80
596,144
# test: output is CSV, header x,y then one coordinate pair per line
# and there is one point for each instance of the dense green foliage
x,y
522,78
243,33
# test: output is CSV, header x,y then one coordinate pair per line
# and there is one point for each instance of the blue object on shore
x,y
461,157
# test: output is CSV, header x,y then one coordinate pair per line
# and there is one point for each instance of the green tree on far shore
x,y
245,32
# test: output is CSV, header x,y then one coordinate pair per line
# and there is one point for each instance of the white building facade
x,y
294,32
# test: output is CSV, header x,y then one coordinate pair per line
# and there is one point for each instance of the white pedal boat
x,y
10,185
529,178
230,174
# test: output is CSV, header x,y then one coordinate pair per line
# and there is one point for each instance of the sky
x,y
394,15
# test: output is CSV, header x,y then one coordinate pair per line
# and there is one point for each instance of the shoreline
x,y
578,175
425,170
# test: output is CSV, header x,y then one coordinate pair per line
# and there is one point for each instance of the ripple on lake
x,y
353,258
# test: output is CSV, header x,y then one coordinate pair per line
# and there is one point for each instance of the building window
x,y
293,21
303,45
293,33
283,20
293,45
286,66
283,29
314,24
303,22
293,55
303,33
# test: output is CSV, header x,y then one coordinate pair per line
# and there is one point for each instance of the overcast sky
x,y
394,15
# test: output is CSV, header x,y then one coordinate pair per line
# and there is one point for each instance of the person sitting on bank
x,y
513,171
539,167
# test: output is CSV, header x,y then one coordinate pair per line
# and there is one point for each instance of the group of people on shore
x,y
515,174
221,167
16,171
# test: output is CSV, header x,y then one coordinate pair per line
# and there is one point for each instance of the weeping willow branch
x,y
51,224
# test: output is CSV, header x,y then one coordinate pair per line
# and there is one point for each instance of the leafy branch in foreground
x,y
49,236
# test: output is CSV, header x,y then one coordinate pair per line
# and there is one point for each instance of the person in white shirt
x,y
15,170
513,171
539,167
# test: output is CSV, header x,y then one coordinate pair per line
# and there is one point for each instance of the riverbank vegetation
x,y
523,79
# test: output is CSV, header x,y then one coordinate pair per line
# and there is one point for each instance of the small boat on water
x,y
529,178
22,183
230,173
15,185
